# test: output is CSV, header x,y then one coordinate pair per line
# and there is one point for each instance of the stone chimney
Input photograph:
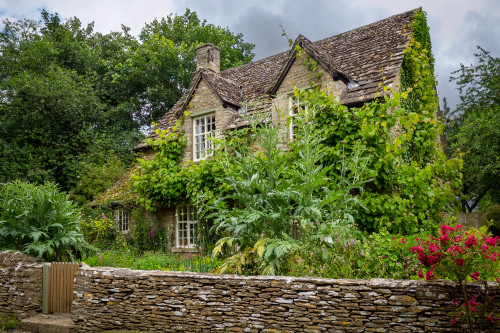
x,y
208,57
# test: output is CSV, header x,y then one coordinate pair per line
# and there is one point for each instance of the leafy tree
x,y
39,220
53,114
473,131
70,96
161,68
97,177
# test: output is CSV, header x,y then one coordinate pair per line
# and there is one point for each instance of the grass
x,y
8,320
153,261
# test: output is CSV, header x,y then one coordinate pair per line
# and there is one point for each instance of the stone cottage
x,y
355,66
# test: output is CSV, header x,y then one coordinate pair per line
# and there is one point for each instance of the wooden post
x,y
45,288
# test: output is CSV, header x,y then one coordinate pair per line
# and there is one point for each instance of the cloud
x,y
457,26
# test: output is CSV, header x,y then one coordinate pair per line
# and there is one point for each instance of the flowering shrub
x,y
99,229
460,256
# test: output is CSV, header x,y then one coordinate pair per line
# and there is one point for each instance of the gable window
x,y
295,105
204,129
122,220
185,226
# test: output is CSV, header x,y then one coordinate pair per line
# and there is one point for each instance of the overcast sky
x,y
457,26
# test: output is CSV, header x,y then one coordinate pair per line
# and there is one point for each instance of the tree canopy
x,y
473,131
70,96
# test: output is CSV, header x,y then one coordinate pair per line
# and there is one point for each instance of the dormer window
x,y
203,131
295,105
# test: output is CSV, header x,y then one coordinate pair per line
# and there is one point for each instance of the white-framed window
x,y
295,105
203,131
186,226
122,220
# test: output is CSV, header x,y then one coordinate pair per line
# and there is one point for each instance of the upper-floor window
x,y
203,131
122,220
186,226
295,105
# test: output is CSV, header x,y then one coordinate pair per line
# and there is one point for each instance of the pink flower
x,y
415,249
459,262
420,274
444,238
429,275
491,241
475,276
446,229
471,241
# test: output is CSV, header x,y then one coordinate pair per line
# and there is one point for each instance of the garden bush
x,y
39,220
462,256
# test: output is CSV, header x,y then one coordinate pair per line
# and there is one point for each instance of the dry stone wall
x,y
172,302
156,301
20,284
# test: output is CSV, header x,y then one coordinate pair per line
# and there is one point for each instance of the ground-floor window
x,y
186,225
122,220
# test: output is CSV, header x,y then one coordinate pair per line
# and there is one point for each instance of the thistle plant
x,y
283,201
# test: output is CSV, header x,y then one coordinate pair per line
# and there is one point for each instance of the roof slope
x,y
369,55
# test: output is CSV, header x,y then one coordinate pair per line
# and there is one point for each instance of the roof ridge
x,y
415,10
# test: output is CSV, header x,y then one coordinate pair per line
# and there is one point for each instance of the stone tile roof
x,y
365,57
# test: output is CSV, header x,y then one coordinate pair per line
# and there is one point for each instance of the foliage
x,y
412,180
161,68
281,208
158,182
123,257
70,98
473,131
404,194
152,261
95,178
8,320
39,220
148,234
99,230
460,256
54,112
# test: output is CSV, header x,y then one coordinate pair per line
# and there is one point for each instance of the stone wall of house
x,y
20,284
157,301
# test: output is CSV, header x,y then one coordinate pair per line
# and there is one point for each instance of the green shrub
x,y
39,220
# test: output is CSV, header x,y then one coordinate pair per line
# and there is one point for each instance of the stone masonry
x,y
173,302
20,284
